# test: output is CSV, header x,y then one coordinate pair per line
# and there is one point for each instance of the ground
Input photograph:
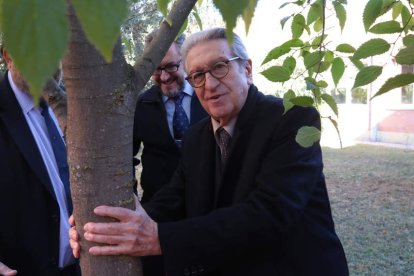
x,y
371,189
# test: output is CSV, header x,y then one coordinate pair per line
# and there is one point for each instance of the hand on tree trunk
x,y
134,234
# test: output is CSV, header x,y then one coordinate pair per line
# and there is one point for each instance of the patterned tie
x,y
180,119
223,139
59,149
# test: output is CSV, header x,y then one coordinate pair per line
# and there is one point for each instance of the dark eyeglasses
x,y
219,70
169,68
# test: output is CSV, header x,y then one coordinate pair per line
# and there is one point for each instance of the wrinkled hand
x,y
74,238
134,234
6,271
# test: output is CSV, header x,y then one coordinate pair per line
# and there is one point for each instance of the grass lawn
x,y
371,189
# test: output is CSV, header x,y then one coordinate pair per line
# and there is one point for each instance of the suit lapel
x,y
15,122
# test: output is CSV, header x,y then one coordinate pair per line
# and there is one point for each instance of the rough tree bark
x,y
101,101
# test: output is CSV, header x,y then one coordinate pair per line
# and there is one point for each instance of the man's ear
x,y
249,71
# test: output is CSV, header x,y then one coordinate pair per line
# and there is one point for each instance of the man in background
x,y
162,115
160,123
34,187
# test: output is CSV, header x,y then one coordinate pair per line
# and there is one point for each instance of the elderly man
x,y
246,199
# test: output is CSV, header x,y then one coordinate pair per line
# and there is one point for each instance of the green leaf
x,y
321,67
230,11
318,26
163,6
322,84
286,100
307,136
358,64
284,20
407,19
405,56
345,48
331,102
337,70
312,59
275,53
396,10
408,40
387,6
316,43
329,56
198,19
371,12
315,12
293,43
367,75
298,25
35,39
98,15
304,101
340,14
276,74
290,64
248,14
395,82
387,27
371,48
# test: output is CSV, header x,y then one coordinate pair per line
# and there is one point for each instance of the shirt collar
x,y
229,127
24,98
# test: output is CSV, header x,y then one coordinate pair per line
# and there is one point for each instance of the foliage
x,y
143,17
310,51
308,56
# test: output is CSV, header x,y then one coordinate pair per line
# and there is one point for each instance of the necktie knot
x,y
223,139
178,99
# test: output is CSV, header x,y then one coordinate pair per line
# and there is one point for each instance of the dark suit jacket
x,y
29,212
270,213
160,155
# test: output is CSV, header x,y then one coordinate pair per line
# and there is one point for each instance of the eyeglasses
x,y
169,68
219,70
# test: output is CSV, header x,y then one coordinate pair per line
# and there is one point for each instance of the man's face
x,y
221,98
170,83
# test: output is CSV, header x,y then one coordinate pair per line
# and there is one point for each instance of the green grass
x,y
371,189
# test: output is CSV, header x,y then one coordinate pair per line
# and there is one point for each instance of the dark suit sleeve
x,y
285,182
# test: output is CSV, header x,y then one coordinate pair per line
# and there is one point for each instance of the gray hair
x,y
179,40
237,46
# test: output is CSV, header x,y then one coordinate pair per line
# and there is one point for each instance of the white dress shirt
x,y
38,128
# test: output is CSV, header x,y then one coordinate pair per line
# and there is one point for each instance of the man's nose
x,y
210,81
165,75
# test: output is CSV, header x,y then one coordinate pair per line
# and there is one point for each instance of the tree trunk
x,y
101,101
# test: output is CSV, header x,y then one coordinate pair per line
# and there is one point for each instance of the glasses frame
x,y
169,68
189,78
